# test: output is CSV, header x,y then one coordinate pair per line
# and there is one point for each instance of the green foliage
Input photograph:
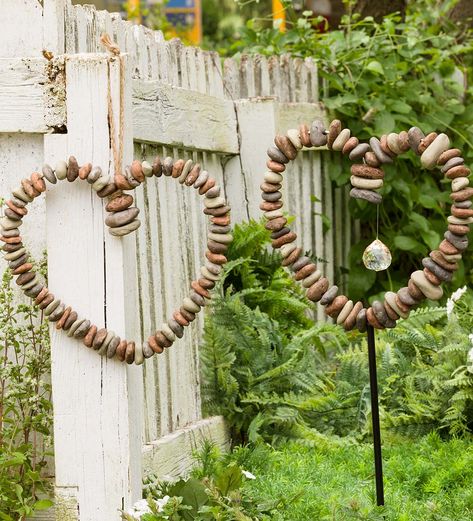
x,y
25,406
381,77
261,356
426,479
424,374
214,491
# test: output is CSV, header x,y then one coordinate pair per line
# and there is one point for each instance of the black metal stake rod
x,y
378,460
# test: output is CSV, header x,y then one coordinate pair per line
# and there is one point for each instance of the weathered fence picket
x,y
114,424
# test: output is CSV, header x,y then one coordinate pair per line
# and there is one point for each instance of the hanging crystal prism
x,y
377,256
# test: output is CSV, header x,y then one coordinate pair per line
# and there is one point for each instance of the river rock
x,y
431,291
121,218
367,195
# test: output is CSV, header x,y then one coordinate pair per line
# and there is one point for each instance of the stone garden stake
x,y
366,180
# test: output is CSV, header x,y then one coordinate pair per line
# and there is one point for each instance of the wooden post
x,y
97,402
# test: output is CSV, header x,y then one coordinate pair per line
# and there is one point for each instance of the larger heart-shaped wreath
x,y
367,177
121,221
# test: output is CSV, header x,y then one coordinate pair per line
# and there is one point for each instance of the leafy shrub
x,y
381,77
214,491
25,407
262,355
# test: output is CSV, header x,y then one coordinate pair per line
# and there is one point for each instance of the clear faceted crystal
x,y
377,256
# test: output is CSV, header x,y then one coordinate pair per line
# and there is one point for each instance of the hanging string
x,y
377,221
117,150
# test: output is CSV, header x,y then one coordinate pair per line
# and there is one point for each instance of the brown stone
x,y
177,315
431,277
130,353
462,213
217,212
414,291
90,335
317,289
119,203
459,229
292,257
274,166
268,206
447,155
10,248
337,304
121,218
367,172
215,257
19,211
70,320
221,221
60,323
177,168
448,248
462,195
350,145
304,135
23,268
383,142
153,343
216,247
304,272
426,142
269,188
162,339
210,183
85,170
390,311
99,338
72,169
199,289
188,315
25,277
350,321
285,239
120,353
400,304
108,190
276,224
46,301
372,320
38,182
404,141
458,171
371,159
285,146
206,283
41,296
438,257
193,175
334,129
136,170
11,240
29,189
121,182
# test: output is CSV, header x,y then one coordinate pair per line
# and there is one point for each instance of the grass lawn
x,y
427,479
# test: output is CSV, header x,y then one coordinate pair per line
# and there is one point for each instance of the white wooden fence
x,y
114,424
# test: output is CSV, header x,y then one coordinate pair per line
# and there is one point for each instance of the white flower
x,y
162,503
455,297
471,338
248,475
140,508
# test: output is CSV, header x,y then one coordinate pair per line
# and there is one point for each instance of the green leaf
x,y
403,242
376,67
43,504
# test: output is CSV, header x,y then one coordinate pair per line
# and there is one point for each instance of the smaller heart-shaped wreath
x,y
121,221
367,177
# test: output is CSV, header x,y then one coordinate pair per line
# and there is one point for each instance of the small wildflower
x,y
455,297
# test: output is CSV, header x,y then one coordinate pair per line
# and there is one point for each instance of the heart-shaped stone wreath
x,y
121,221
367,177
